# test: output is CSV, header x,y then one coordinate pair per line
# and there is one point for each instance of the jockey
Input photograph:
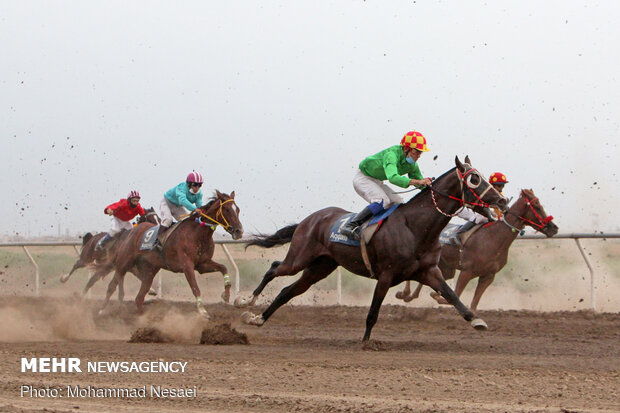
x,y
497,180
180,200
122,213
389,164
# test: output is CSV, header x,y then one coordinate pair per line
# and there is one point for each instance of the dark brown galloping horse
x,y
189,248
406,248
486,252
101,260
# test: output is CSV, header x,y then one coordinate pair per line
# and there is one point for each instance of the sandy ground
x,y
311,359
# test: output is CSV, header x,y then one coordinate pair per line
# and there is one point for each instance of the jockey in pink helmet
x,y
122,213
182,199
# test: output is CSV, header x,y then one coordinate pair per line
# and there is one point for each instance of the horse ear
x,y
467,159
232,194
459,164
218,194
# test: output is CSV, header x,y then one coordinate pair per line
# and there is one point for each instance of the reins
x,y
461,200
219,212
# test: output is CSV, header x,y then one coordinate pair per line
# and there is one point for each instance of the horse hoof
x,y
400,295
408,298
203,312
64,278
152,292
226,296
252,319
241,302
479,324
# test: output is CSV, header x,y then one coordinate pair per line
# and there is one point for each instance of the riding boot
x,y
462,230
352,229
101,244
158,244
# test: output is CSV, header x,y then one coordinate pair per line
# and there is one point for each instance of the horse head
x,y
531,212
150,216
223,210
476,191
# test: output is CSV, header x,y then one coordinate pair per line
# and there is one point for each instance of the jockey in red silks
x,y
389,164
122,213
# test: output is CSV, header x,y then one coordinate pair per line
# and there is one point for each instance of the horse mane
x,y
212,199
426,188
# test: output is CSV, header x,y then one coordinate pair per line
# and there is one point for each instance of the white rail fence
x,y
222,244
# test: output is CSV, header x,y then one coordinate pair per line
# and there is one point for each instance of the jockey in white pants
x,y
389,164
181,200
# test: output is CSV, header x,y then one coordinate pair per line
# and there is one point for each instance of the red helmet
x,y
498,178
194,177
133,194
414,140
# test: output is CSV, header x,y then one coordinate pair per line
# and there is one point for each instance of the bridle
x,y
464,180
542,222
219,213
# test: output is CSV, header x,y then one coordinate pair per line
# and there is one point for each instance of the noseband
x,y
219,213
463,182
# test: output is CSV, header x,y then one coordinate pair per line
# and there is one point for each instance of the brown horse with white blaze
x,y
406,248
485,253
189,248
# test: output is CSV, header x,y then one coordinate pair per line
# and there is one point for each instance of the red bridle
x,y
461,200
542,222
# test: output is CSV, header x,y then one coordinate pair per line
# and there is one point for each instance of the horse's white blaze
x,y
479,324
65,278
252,319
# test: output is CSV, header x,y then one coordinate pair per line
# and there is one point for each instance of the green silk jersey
x,y
390,164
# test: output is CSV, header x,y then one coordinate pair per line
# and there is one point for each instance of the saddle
x,y
369,228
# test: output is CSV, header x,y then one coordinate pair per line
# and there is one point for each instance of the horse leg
x,y
483,284
384,283
98,275
190,276
267,278
121,290
147,281
415,294
78,264
212,266
318,269
448,274
434,279
405,292
118,275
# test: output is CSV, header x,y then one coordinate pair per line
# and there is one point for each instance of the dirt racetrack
x,y
311,359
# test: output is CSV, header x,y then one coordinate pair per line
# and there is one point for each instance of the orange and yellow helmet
x,y
414,140
498,178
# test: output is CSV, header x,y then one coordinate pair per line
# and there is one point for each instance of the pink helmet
x,y
133,194
194,177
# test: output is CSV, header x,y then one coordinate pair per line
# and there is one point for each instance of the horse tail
x,y
86,237
281,237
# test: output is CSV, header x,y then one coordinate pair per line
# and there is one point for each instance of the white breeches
x,y
374,190
168,212
118,225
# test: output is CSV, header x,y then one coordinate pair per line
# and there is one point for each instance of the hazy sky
x,y
280,101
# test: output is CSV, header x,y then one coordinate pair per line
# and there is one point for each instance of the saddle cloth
x,y
150,236
449,232
368,229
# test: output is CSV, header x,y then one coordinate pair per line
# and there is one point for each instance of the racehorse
x,y
188,248
405,248
100,260
486,252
